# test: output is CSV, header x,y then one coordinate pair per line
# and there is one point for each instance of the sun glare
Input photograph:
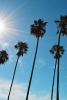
x,y
2,26
7,29
8,26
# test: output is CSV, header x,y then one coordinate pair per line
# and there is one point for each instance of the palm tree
x,y
22,48
57,51
62,25
3,56
62,29
51,51
38,29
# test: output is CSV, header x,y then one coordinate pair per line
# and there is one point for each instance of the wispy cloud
x,y
11,56
41,62
4,45
21,64
18,91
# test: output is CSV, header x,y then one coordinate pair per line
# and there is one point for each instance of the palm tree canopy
x,y
62,25
54,50
22,47
3,56
38,28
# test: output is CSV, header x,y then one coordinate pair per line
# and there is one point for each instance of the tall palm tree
x,y
62,25
38,29
52,52
62,29
22,48
3,56
57,51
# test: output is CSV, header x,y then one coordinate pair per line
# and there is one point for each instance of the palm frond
x,y
3,56
38,28
55,52
22,48
62,25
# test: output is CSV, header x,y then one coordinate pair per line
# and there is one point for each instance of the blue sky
x,y
18,16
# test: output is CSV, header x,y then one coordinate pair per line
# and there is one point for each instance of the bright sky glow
x,y
7,29
2,26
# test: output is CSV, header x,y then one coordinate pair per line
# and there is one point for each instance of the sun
x,y
9,26
2,26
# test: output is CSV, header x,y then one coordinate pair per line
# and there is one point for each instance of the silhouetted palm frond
x,y
62,25
38,28
3,56
22,48
54,50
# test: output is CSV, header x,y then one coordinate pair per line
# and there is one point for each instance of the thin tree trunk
x,y
57,98
13,78
53,80
32,70
59,39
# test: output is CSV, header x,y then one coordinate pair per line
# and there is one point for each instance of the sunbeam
x,y
2,26
9,25
21,6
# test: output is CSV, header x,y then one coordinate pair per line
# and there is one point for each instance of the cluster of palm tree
x,y
58,50
38,29
22,48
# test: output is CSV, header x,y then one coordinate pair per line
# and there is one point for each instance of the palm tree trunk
x,y
32,70
59,39
53,80
57,98
13,78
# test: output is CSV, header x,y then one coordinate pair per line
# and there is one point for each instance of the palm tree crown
x,y
3,56
22,47
54,50
62,25
38,28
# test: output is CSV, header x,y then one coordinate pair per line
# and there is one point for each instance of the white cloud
x,y
35,97
18,91
40,62
4,44
21,64
11,58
